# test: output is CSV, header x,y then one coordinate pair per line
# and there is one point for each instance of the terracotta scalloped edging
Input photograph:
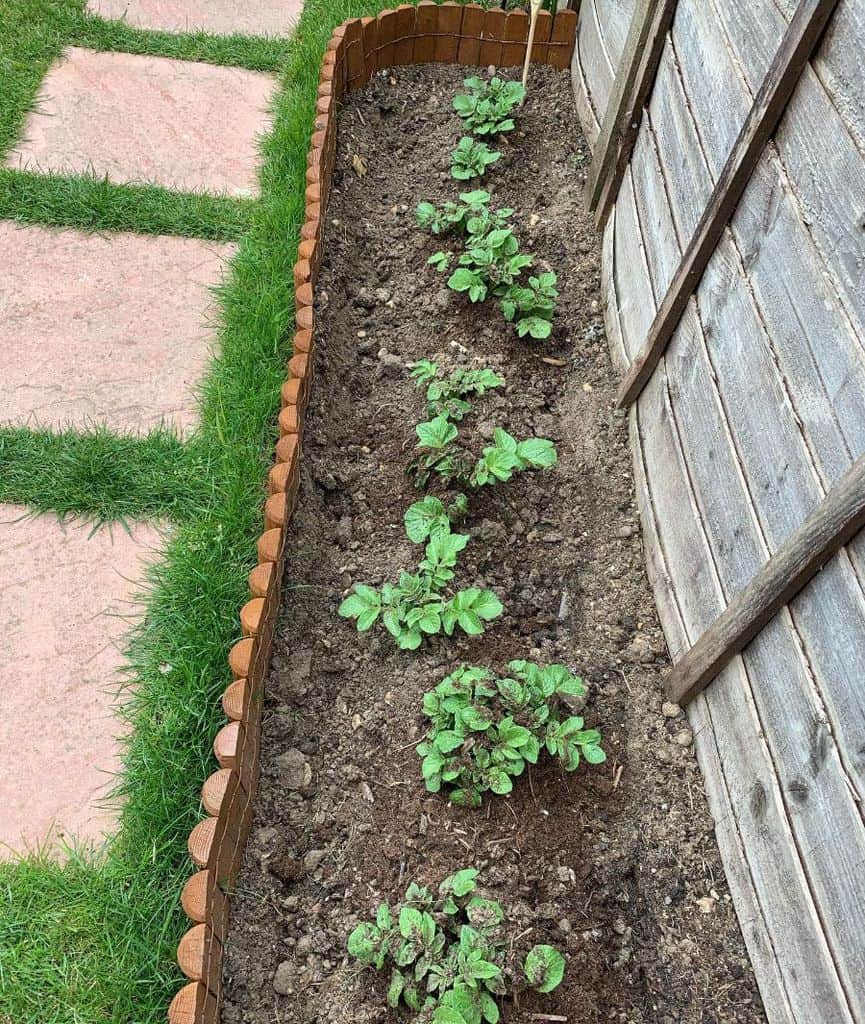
x,y
448,33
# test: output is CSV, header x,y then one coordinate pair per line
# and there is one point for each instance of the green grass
x,y
102,476
94,940
94,204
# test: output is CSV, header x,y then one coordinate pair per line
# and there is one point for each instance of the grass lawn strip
x,y
103,476
94,939
96,204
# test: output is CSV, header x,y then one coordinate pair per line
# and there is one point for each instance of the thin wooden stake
x,y
835,521
800,40
536,9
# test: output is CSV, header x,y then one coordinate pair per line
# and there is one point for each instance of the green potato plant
x,y
485,730
422,603
448,953
471,215
487,108
440,454
491,264
450,396
471,158
438,437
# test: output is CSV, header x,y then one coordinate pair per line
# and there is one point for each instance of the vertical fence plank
x,y
631,90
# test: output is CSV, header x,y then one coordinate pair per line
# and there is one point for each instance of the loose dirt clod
x,y
611,864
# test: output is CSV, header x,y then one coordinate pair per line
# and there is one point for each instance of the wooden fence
x,y
728,175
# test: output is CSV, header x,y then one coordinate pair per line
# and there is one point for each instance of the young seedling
x,y
471,158
487,108
440,453
419,605
491,264
449,396
486,730
471,215
450,954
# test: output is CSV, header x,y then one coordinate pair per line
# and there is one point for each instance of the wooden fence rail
x,y
838,518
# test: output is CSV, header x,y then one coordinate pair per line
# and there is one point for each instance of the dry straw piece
x,y
450,33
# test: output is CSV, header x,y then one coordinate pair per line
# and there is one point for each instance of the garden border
x,y
450,33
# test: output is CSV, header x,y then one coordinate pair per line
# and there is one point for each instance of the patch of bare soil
x,y
616,865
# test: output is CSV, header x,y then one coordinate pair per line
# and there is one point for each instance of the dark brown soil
x,y
617,865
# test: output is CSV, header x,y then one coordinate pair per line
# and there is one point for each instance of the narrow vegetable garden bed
x,y
468,778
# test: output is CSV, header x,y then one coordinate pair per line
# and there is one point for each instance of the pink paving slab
x,y
115,329
66,601
221,17
180,124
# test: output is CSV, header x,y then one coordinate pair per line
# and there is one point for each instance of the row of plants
x,y
450,954
487,261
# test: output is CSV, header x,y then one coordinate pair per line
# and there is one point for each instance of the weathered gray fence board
x,y
677,139
662,246
824,168
597,69
608,292
792,711
708,72
614,18
634,315
840,67
761,817
768,436
582,96
757,859
774,432
822,354
733,854
827,173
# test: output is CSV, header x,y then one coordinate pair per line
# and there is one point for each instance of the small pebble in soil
x,y
283,979
294,769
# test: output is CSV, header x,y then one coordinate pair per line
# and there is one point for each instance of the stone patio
x,y
111,329
183,125
220,17
66,601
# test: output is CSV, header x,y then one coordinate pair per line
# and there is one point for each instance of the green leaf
x,y
383,918
489,1008
504,440
423,371
363,942
535,327
500,782
410,922
537,451
364,605
594,754
484,914
446,741
423,518
397,984
448,1015
487,606
409,640
483,969
461,883
436,433
545,968
432,764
